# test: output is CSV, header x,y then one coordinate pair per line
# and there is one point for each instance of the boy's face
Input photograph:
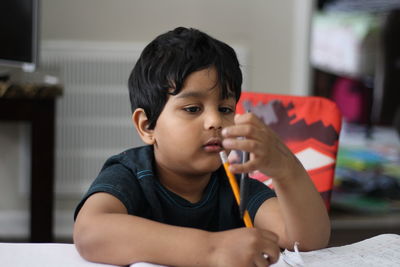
x,y
188,131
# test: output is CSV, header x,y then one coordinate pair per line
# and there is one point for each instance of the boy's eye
x,y
192,109
226,110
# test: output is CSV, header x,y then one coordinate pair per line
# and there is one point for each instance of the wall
x,y
266,27
274,32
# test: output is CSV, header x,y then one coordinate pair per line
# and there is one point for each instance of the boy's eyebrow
x,y
190,94
194,94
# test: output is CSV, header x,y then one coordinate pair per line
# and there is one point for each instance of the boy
x,y
169,202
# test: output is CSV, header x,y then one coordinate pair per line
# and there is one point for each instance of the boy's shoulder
x,y
134,159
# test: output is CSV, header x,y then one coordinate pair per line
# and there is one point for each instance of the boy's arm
x,y
298,213
104,232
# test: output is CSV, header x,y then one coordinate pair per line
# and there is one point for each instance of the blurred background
x,y
343,50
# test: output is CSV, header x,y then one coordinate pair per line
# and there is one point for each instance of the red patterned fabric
x,y
308,125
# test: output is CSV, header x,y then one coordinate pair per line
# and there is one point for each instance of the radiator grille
x,y
93,115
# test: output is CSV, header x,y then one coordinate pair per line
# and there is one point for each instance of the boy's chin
x,y
208,167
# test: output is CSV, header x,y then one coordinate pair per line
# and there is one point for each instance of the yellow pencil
x,y
235,187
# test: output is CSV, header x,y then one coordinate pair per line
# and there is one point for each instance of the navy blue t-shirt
x,y
131,178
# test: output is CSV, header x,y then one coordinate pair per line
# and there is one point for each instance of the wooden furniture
x,y
36,104
349,227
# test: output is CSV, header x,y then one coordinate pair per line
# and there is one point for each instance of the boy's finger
x,y
233,144
247,118
248,145
244,130
234,157
270,235
272,255
271,252
261,260
242,168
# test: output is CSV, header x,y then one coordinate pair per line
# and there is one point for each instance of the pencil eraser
x,y
223,156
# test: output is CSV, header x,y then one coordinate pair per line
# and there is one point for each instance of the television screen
x,y
19,33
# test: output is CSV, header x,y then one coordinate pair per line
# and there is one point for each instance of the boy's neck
x,y
190,187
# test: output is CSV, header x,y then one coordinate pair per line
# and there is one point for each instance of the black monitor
x,y
19,29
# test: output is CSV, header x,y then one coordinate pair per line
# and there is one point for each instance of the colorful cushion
x,y
308,125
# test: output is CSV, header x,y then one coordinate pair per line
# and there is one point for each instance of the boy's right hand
x,y
244,247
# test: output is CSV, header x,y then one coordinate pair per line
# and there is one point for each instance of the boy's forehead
x,y
203,92
198,90
204,83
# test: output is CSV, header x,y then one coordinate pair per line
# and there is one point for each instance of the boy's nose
x,y
213,120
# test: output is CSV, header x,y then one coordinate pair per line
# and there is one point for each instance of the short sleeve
x,y
258,194
117,180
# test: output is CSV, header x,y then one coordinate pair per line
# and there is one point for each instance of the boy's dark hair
x,y
169,59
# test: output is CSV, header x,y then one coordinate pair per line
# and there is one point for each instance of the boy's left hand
x,y
268,154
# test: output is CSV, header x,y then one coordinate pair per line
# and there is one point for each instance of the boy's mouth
x,y
213,145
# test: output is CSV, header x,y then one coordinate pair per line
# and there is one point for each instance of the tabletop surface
x,y
10,89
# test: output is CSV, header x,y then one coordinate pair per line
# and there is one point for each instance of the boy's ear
x,y
139,119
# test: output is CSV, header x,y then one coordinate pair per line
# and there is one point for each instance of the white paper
x,y
146,264
42,255
382,251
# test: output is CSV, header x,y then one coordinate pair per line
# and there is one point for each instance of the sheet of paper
x,y
382,251
146,264
280,263
42,255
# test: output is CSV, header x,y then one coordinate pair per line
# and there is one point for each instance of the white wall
x,y
274,32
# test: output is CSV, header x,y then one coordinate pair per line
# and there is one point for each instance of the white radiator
x,y
93,119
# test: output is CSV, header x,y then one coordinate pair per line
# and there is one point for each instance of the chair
x,y
308,125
